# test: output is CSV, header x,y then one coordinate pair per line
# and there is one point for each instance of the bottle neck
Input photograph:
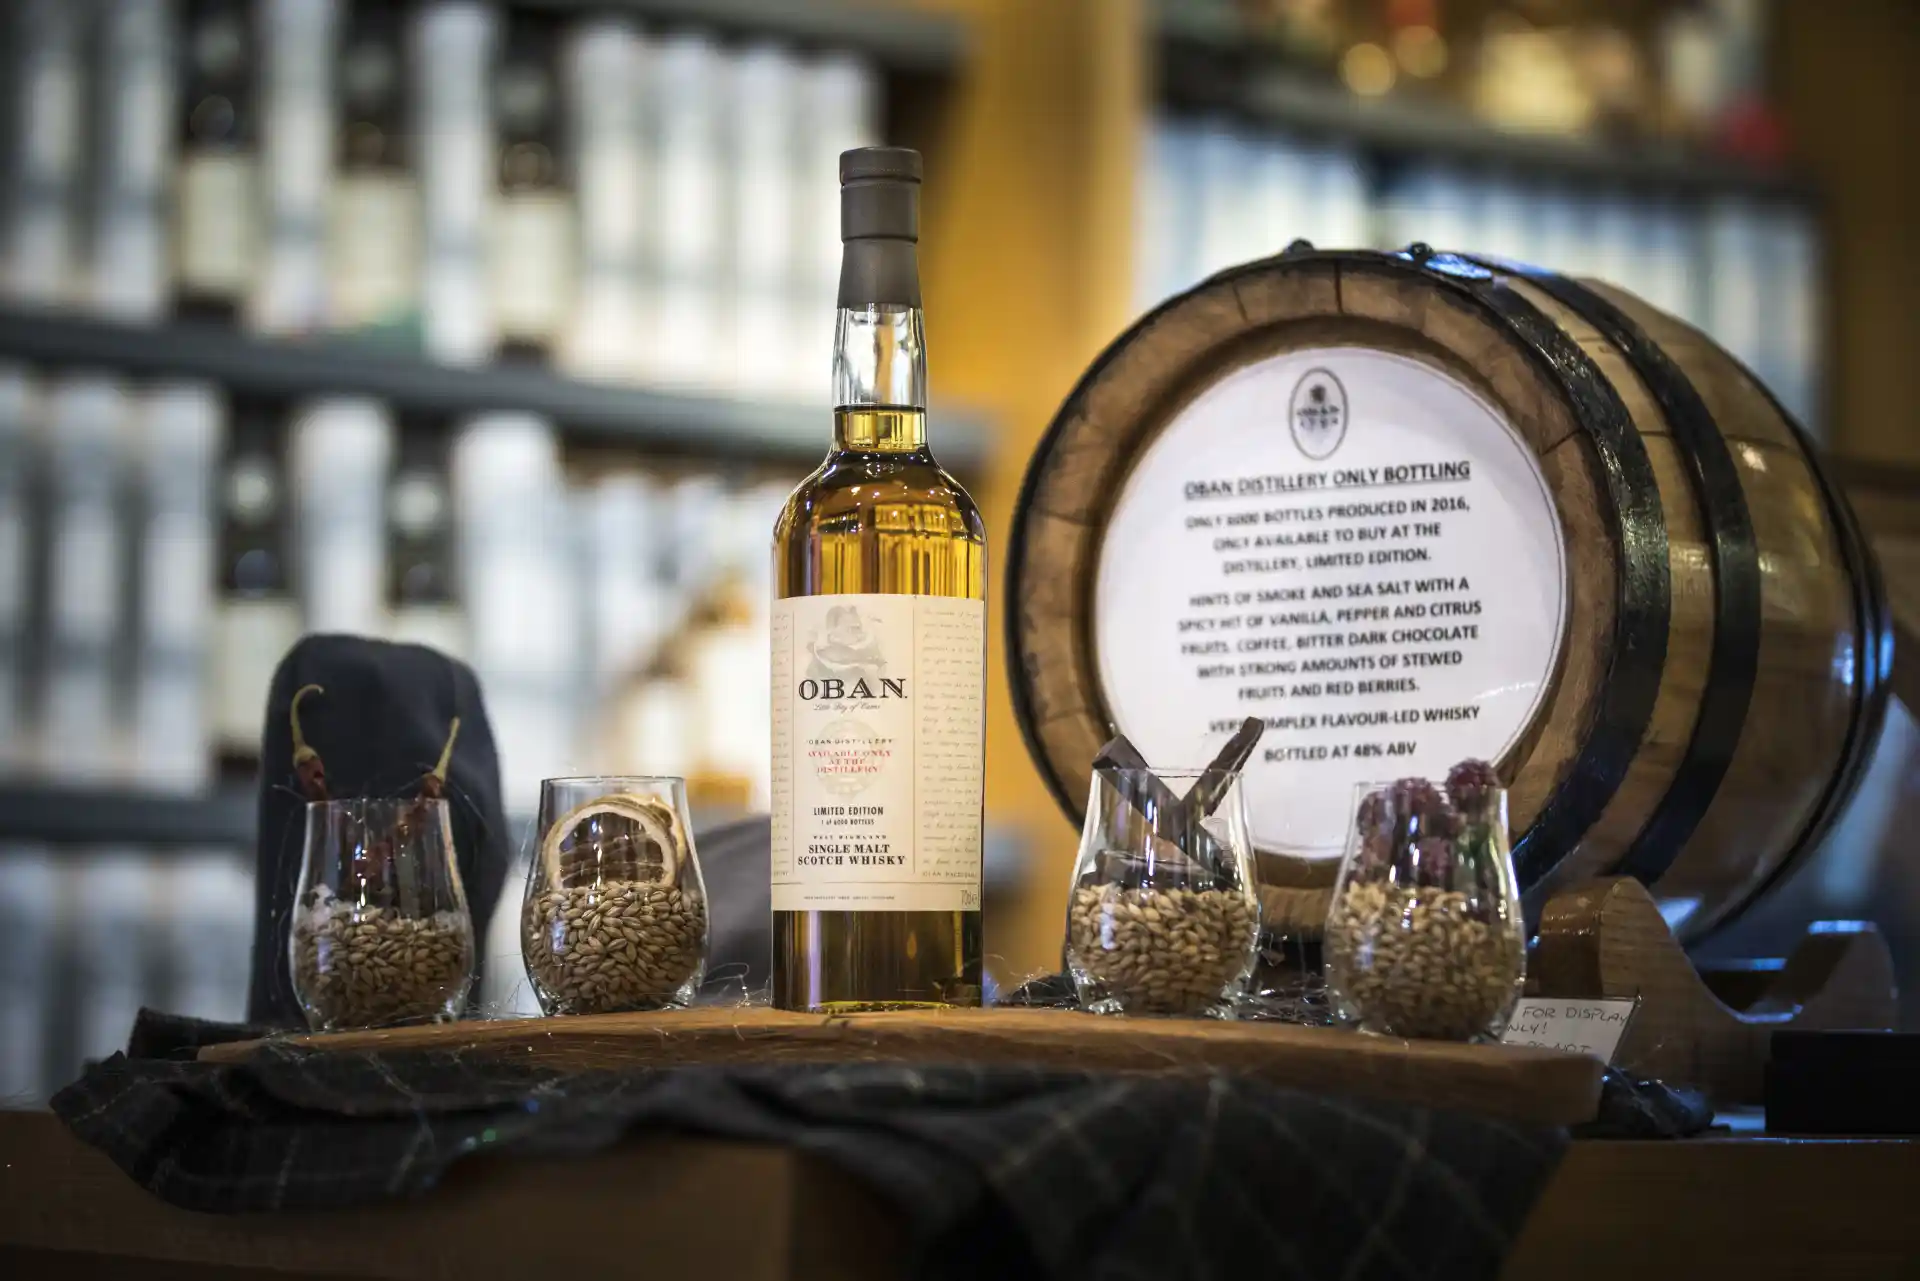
x,y
879,378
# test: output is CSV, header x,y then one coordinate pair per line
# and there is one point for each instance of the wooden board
x,y
1525,1084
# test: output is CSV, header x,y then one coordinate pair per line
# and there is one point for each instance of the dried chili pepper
x,y
434,785
307,764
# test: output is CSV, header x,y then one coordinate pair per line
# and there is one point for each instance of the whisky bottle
x,y
530,260
214,206
373,207
258,619
878,657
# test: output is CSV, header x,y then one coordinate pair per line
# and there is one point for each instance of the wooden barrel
x,y
1710,680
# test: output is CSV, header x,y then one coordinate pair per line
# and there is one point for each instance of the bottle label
x,y
532,264
373,251
215,220
878,748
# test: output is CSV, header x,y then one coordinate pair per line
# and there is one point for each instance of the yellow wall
x,y
1849,84
1027,255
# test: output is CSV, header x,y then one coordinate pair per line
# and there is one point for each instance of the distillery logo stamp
x,y
1318,414
847,755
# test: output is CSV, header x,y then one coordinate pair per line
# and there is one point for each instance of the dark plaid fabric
x,y
1003,1171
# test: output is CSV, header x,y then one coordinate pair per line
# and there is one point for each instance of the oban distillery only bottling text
x,y
879,656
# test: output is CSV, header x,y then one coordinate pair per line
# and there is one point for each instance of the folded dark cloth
x,y
1002,1171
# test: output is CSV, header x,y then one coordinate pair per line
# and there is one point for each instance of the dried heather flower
x,y
1434,862
1424,810
1374,825
1472,784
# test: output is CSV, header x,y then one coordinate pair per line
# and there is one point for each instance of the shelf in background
x,y
68,815
1207,70
680,424
892,35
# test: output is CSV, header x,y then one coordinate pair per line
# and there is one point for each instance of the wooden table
x,y
1747,1208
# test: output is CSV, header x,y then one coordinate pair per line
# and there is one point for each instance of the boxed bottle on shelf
x,y
296,42
839,109
129,269
1435,204
215,232
258,618
1164,220
1344,209
1212,196
40,259
420,544
693,702
114,897
728,654
626,595
1736,303
177,543
30,945
18,451
1673,259
680,337
208,934
531,244
86,437
606,64
339,452
1790,354
763,188
1230,223
373,211
514,549
452,47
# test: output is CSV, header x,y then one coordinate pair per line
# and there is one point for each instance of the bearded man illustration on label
x,y
847,651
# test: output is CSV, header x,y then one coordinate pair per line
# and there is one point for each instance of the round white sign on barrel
x,y
1350,544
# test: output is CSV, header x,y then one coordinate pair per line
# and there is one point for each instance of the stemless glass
x,y
1164,915
615,915
380,931
1424,935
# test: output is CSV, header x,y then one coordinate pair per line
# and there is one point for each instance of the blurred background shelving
x,y
1634,143
661,422
503,325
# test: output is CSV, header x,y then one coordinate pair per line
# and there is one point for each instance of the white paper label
x,y
216,219
1354,546
373,250
1577,1027
531,264
877,753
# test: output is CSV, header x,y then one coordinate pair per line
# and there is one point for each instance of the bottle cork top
x,y
880,194
900,164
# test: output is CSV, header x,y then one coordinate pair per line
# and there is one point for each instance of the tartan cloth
x,y
999,1171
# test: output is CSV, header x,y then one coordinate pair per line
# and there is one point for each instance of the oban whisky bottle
x,y
879,649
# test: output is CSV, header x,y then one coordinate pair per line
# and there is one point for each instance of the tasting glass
x,y
380,931
615,913
1424,935
1164,914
